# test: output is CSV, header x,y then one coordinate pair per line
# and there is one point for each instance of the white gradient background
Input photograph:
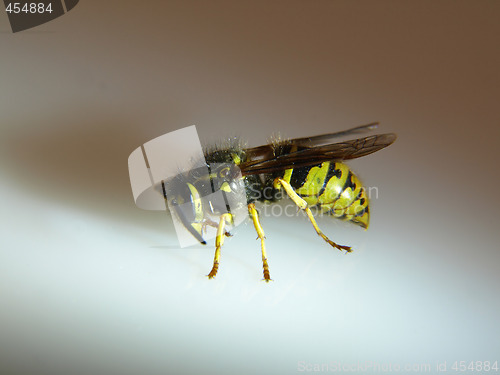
x,y
90,284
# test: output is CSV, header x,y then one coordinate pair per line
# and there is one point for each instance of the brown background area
x,y
91,283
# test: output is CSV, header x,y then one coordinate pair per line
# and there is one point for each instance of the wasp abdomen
x,y
334,189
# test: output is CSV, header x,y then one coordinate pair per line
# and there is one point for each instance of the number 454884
x,y
28,8
476,366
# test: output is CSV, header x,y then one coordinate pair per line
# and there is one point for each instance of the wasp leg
x,y
260,232
219,241
208,222
302,204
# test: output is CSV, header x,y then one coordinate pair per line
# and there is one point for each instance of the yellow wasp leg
x,y
302,204
260,232
219,241
208,222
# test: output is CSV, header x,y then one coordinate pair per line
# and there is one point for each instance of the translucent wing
x,y
326,138
267,151
302,152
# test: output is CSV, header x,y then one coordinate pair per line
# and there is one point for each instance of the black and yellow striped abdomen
x,y
332,188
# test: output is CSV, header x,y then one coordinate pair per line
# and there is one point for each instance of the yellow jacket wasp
x,y
310,170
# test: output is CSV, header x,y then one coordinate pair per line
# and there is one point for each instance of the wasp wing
x,y
267,151
297,153
324,139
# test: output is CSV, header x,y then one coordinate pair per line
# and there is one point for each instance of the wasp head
x,y
200,196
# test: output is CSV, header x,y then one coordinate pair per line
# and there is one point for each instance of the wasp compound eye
x,y
225,172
